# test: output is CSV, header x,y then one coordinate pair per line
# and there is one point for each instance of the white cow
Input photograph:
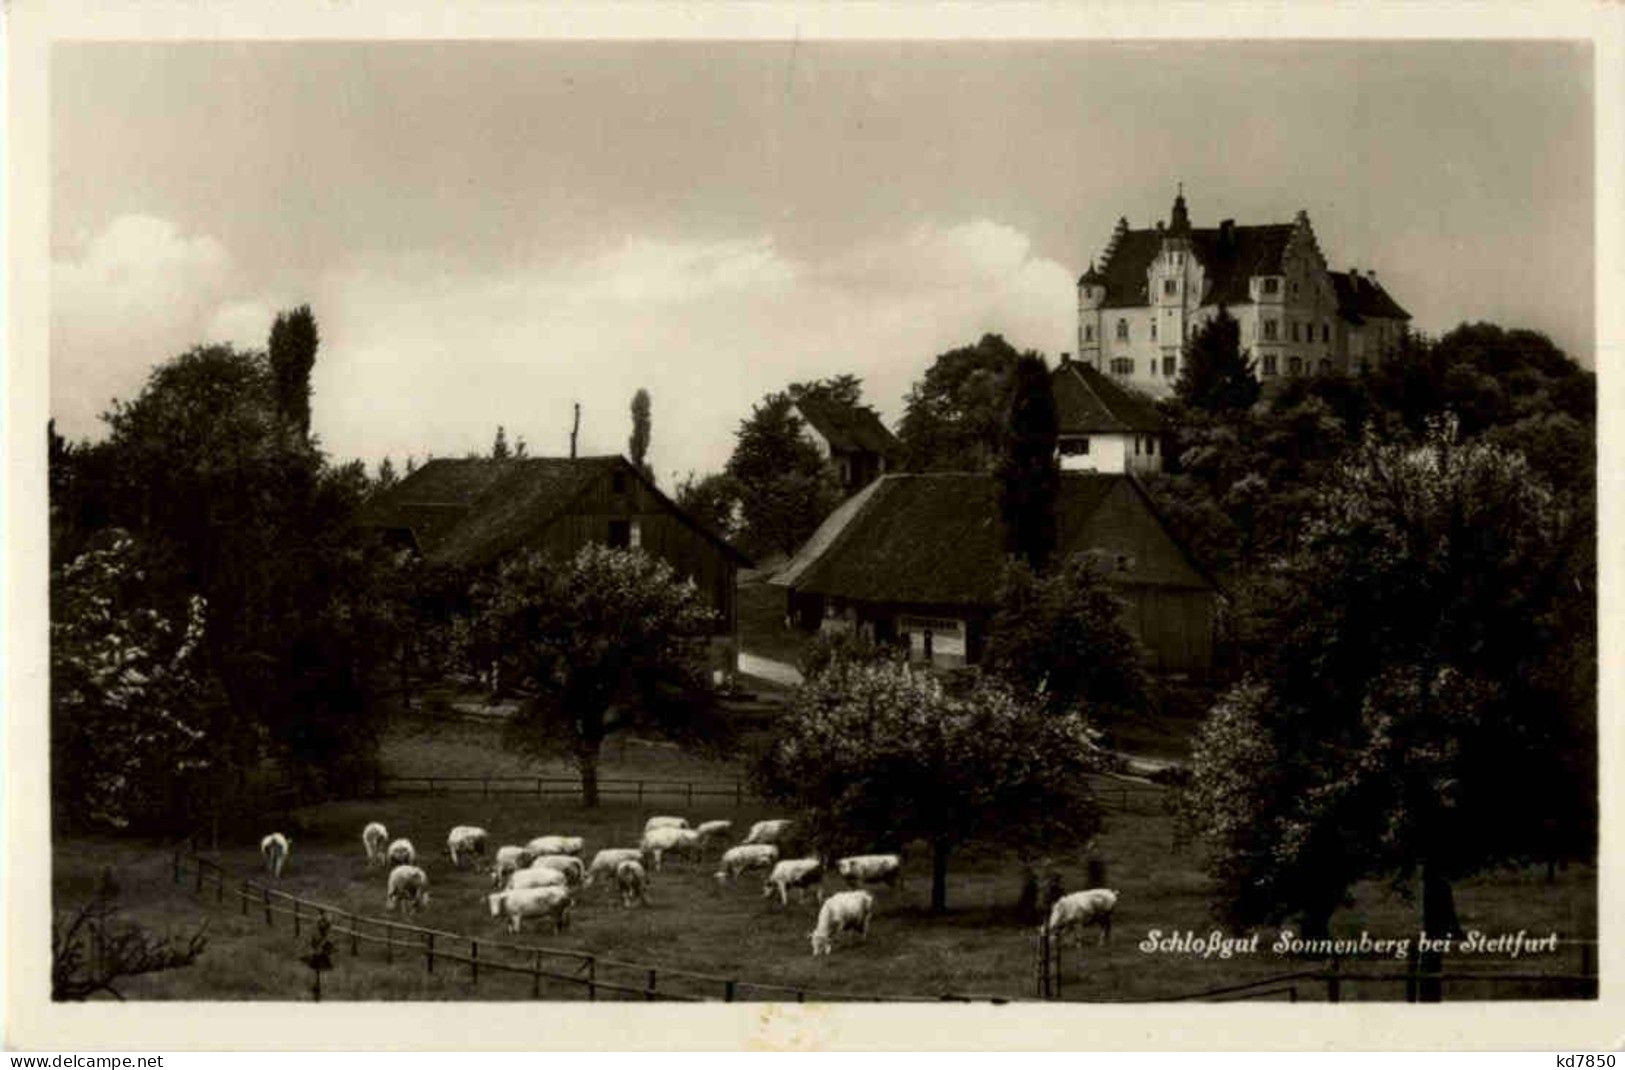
x,y
402,853
871,869
768,831
275,849
508,860
665,823
557,845
374,838
465,841
550,903
536,878
408,888
606,860
713,831
843,910
660,842
797,873
569,865
633,883
1081,910
746,856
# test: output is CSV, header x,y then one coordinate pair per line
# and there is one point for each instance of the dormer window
x,y
1122,330
1088,332
1170,287
1269,330
1153,330
1272,285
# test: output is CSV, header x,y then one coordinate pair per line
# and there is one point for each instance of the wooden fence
x,y
551,971
613,788
1331,979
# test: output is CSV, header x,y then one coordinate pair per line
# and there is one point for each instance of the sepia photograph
x,y
972,524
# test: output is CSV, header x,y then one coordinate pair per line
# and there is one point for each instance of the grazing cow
x,y
536,878
744,857
464,842
665,823
1081,910
557,845
374,838
550,903
606,860
275,849
508,860
842,911
797,873
660,842
713,832
871,869
569,865
633,883
402,853
408,889
768,831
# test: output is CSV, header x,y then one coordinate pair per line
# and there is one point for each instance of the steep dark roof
x,y
1088,402
1360,297
473,511
1230,256
849,428
935,539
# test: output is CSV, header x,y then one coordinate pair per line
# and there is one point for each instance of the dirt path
x,y
768,669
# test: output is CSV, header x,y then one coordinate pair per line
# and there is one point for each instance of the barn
x,y
916,558
474,512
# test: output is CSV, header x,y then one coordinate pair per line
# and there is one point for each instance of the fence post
x,y
430,951
1411,960
640,793
485,788
1334,987
536,978
473,962
242,898
355,935
177,865
739,792
266,893
296,917
389,942
728,990
649,993
199,876
690,786
219,886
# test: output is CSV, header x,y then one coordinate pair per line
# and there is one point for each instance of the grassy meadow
x,y
976,948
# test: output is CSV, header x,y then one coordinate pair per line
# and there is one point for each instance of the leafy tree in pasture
x,y
1059,638
844,390
1412,661
638,445
387,476
1028,473
1215,375
954,417
500,451
130,697
93,948
606,642
293,344
785,488
877,756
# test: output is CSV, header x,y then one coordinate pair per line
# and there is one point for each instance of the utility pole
x,y
575,427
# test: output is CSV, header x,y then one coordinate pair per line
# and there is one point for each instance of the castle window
x,y
1122,330
1170,287
1074,447
1325,332
1325,366
1294,330
1168,368
1269,330
1294,289
1153,330
1269,364
1151,447
1089,332
1294,365
1272,285
1122,366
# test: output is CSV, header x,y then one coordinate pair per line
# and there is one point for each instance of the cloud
x,y
419,355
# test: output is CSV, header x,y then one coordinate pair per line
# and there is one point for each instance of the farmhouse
x,y
1155,287
852,438
916,559
1103,427
474,512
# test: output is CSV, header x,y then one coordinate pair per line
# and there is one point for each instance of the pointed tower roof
x,y
1179,223
1092,277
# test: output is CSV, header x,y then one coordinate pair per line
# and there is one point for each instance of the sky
x,y
489,232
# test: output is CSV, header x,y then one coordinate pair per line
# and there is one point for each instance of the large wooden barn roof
x,y
472,511
935,539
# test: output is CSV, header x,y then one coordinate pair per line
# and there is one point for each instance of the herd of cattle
x,y
541,879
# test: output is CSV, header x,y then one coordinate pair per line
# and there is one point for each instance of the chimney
x,y
1354,278
1227,234
1371,277
1066,358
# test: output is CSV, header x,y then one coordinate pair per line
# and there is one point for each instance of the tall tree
x,y
1411,665
499,446
1028,471
293,354
880,755
954,417
843,390
603,640
785,488
713,500
1215,374
638,445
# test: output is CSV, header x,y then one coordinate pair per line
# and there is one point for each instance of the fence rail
x,y
623,788
588,975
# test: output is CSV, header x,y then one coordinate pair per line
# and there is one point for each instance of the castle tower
x,y
1091,295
